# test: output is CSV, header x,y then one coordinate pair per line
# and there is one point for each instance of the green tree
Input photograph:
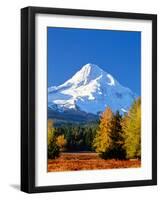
x,y
116,149
53,148
88,138
132,130
102,141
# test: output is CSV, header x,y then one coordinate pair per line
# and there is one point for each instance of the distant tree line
x,y
70,137
114,136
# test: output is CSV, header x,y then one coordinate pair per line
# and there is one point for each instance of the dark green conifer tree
x,y
116,149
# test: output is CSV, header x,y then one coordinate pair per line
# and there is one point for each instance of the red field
x,y
87,161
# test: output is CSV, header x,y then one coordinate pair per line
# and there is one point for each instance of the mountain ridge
x,y
90,90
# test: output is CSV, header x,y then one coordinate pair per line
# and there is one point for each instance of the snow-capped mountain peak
x,y
90,72
91,90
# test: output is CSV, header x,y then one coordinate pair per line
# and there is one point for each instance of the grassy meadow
x,y
87,161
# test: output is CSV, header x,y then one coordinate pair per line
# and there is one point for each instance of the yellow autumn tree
x,y
53,148
102,141
51,130
132,130
61,141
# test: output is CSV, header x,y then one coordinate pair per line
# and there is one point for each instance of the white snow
x,y
110,79
91,89
123,110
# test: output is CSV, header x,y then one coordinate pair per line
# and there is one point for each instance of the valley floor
x,y
87,161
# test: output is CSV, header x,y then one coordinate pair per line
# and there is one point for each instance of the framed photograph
x,y
88,99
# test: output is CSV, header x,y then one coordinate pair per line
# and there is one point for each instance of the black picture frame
x,y
28,98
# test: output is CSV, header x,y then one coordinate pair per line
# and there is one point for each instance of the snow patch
x,y
111,80
123,110
91,97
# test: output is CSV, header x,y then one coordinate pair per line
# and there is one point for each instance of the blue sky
x,y
116,52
